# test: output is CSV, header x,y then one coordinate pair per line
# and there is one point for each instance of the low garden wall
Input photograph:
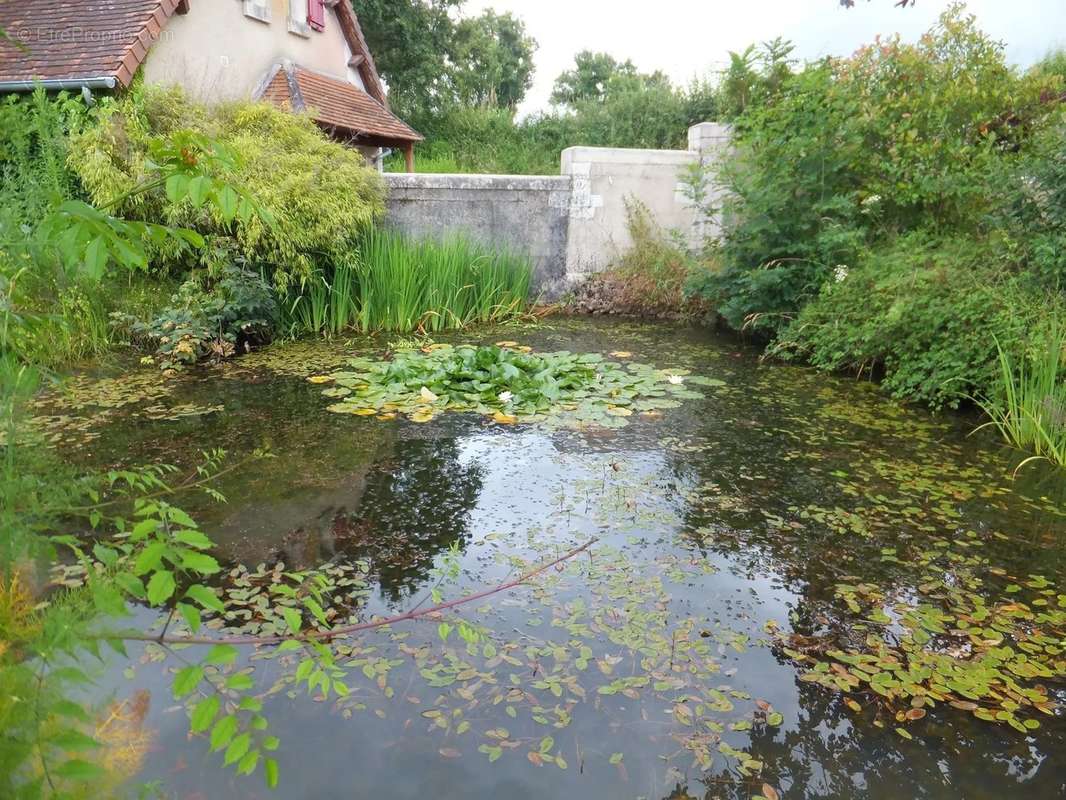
x,y
572,224
525,213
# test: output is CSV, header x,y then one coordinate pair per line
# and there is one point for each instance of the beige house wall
x,y
218,52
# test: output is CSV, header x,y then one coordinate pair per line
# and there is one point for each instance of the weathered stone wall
x,y
528,214
572,225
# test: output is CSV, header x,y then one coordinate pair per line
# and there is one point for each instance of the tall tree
x,y
410,40
491,60
589,78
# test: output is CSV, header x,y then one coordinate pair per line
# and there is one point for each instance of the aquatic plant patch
x,y
509,383
945,642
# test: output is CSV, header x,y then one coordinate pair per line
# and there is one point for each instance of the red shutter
x,y
316,14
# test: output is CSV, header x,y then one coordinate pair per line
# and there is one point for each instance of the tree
x,y
410,41
491,60
589,78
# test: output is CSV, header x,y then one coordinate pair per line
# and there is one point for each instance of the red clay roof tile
x,y
76,41
335,103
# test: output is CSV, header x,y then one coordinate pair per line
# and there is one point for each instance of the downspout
x,y
62,84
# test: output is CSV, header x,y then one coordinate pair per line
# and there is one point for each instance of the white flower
x,y
871,200
505,397
840,272
676,380
428,396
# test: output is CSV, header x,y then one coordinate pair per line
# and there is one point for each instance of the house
x,y
303,55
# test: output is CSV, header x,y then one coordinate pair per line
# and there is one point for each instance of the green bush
x,y
215,313
319,195
925,314
649,278
849,153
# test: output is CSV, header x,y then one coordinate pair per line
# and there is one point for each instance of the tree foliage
x,y
434,60
590,78
491,60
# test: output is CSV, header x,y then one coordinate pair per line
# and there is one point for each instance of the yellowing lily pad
x,y
320,379
421,416
505,419
619,411
621,354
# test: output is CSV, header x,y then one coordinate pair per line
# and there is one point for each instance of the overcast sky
x,y
687,38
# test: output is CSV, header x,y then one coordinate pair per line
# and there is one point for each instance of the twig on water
x,y
348,630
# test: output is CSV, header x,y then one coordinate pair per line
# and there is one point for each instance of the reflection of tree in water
x,y
828,751
412,508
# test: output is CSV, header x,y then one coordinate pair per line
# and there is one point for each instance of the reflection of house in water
x,y
397,514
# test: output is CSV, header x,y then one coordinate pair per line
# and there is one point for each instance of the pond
x,y
739,539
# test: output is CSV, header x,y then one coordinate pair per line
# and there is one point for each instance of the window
x,y
257,9
298,13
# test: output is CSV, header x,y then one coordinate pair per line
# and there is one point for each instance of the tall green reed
x,y
401,284
1028,407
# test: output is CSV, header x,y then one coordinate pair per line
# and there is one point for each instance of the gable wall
x,y
217,53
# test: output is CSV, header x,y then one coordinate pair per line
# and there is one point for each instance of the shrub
x,y
215,313
319,195
848,153
926,314
650,276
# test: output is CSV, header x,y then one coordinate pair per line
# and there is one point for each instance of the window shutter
x,y
316,14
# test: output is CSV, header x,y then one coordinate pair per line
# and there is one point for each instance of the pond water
x,y
652,666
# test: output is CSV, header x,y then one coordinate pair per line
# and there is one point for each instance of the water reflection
x,y
786,482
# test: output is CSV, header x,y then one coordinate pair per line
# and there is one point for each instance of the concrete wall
x,y
604,179
573,225
222,50
527,213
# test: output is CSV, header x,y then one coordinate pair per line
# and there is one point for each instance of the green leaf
x,y
248,763
616,758
194,538
292,618
205,597
200,562
186,681
270,771
78,770
237,748
160,587
199,188
204,714
221,654
177,186
72,740
150,558
223,732
240,681
228,200
191,615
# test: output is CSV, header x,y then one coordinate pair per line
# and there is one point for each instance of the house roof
x,y
336,104
89,39
109,39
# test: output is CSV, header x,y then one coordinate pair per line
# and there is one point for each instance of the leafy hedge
x,y
925,314
899,213
319,195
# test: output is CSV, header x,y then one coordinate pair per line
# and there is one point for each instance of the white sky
x,y
687,38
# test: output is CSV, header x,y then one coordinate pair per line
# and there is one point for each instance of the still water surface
x,y
717,522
